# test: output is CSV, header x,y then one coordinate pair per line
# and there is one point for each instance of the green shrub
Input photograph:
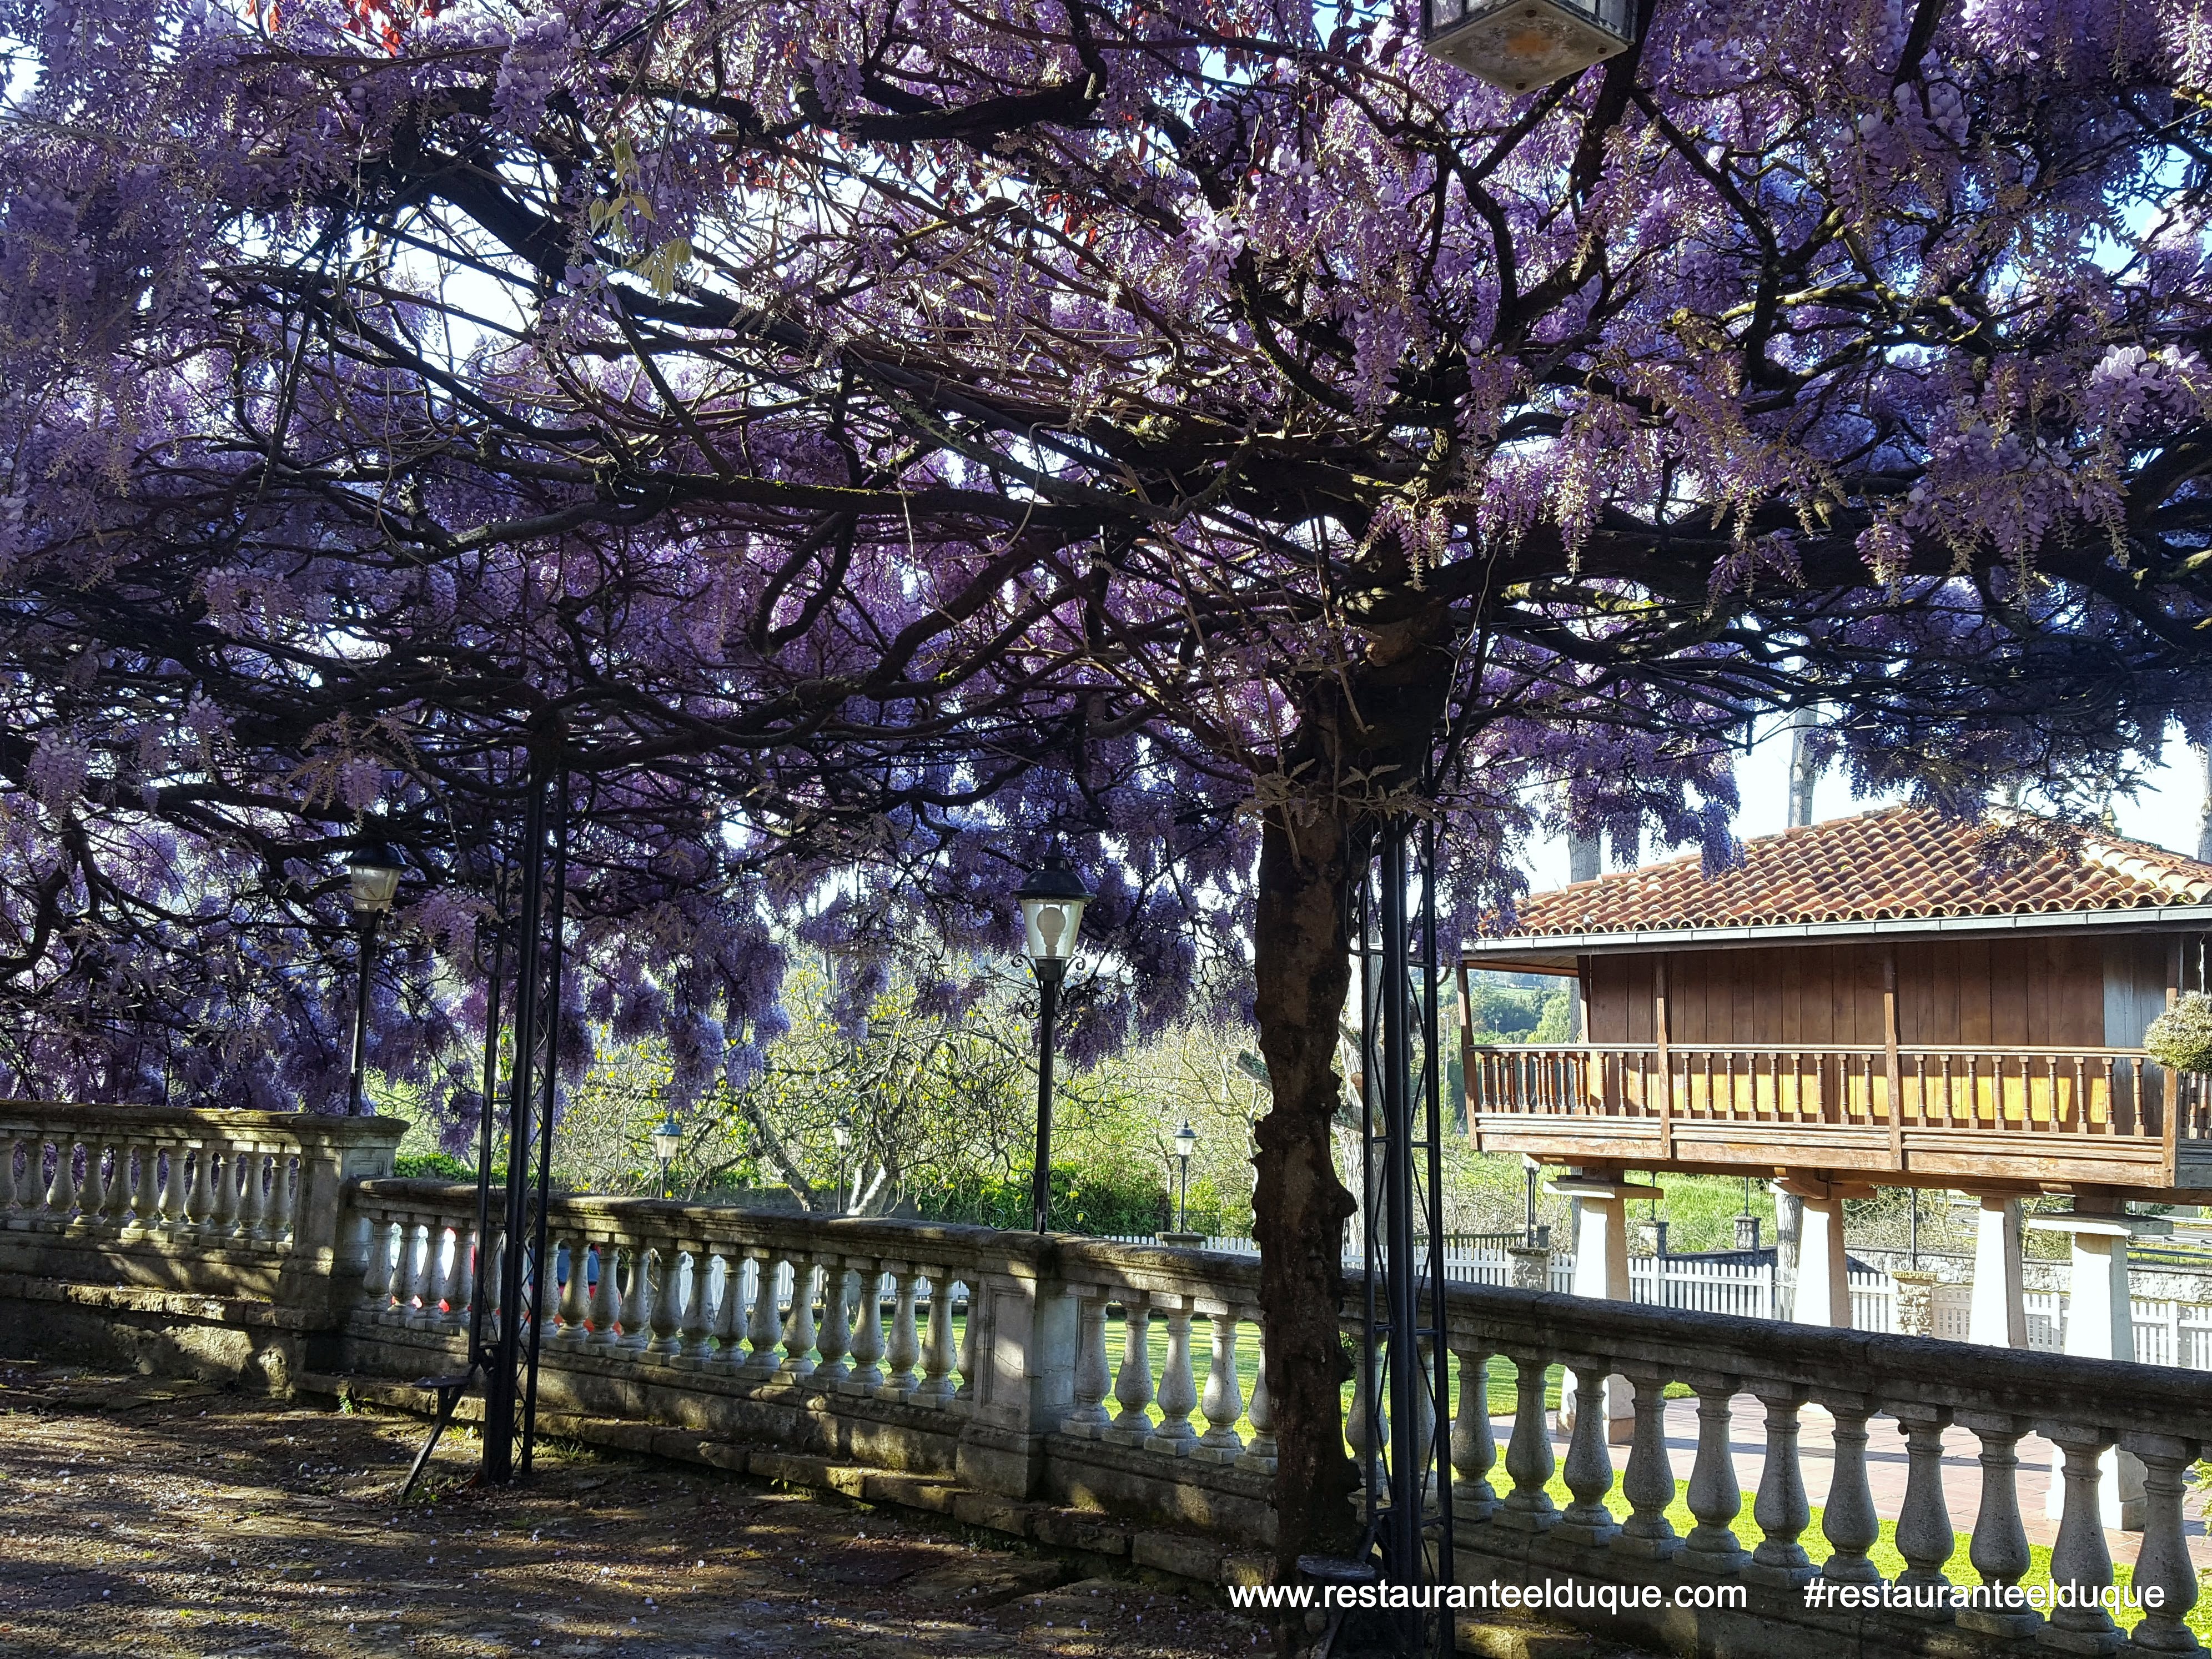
x,y
1082,1201
2181,1038
433,1166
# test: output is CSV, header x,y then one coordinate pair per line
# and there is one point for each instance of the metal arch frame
x,y
505,1350
1406,1469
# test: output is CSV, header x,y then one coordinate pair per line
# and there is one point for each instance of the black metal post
x,y
1402,1552
1047,975
500,1389
1182,1193
540,1274
365,966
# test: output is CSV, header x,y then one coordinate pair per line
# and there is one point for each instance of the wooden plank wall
x,y
2027,993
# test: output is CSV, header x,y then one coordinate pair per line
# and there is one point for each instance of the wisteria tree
x,y
885,436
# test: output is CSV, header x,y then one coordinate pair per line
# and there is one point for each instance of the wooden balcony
x,y
1931,1116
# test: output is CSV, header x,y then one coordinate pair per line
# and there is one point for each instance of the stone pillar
x,y
2099,1325
1531,1265
1601,1271
1823,1295
1023,1323
1916,1298
1999,1318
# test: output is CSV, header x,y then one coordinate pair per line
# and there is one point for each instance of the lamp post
x,y
372,874
667,1141
1186,1143
1051,901
841,1134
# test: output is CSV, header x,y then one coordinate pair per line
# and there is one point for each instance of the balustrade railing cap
x,y
312,1128
1896,1370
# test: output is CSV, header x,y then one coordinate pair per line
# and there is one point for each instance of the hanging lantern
x,y
1518,44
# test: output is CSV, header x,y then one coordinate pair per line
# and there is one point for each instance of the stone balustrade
x,y
1036,1377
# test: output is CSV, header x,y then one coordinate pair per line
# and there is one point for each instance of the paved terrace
x,y
177,1522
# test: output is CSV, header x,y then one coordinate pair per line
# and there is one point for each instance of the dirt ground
x,y
164,1519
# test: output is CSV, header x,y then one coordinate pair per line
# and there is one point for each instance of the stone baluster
x,y
403,1271
726,1327
2079,1558
698,1327
92,1191
173,1189
1133,1383
903,1351
1999,1548
1528,1507
376,1277
1178,1391
834,1340
936,1388
453,1294
253,1206
1715,1498
2163,1562
199,1198
1647,1483
115,1207
664,1327
1848,1519
799,1323
1924,1537
283,1200
867,1376
572,1314
61,1187
1223,1399
1093,1378
1367,1432
636,1315
222,1216
145,1192
424,1312
606,1294
1586,1521
964,1397
1780,1507
763,1325
1259,1455
1473,1448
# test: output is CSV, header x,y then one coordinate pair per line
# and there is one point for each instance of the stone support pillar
x,y
1024,1323
1824,1289
2099,1325
1999,1318
1601,1271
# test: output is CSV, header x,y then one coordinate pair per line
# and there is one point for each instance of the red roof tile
x,y
1900,862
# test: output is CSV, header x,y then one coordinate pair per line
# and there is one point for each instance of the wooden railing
x,y
2099,1091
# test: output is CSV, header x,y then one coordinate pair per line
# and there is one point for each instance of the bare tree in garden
x,y
888,437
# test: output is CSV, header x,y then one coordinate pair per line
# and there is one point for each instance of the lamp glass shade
x,y
667,1138
1521,44
373,873
841,1135
1186,1140
1052,911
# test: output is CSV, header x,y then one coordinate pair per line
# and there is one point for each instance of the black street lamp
x,y
1518,44
373,872
1052,911
1186,1143
667,1141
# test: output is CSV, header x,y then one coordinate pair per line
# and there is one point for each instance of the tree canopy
x,y
875,438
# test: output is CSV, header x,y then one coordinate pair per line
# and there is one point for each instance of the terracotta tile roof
x,y
1900,862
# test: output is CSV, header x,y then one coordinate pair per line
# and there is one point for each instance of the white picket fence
x,y
2166,1333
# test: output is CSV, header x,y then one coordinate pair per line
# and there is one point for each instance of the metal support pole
x,y
365,966
1047,1008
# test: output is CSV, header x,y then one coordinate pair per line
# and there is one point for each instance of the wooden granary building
x,y
1886,998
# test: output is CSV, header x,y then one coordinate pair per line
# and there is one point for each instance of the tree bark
x,y
1299,1207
